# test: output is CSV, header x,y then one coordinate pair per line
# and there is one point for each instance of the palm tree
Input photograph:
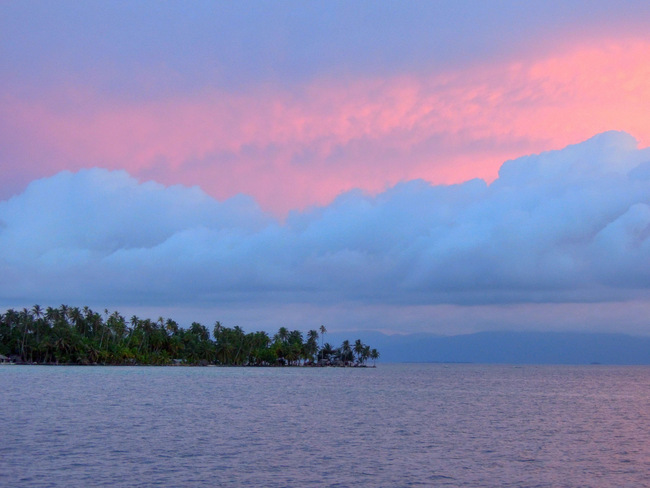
x,y
37,311
374,355
358,349
295,342
311,346
326,352
52,314
117,326
239,339
282,335
171,327
346,351
77,320
64,311
322,334
365,354
312,334
225,348
216,331
258,344
28,321
293,353
200,331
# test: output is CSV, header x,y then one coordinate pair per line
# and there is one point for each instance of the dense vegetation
x,y
69,335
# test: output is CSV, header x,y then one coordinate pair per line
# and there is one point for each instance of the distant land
x,y
508,347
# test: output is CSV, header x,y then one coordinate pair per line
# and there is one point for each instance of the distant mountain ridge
x,y
507,347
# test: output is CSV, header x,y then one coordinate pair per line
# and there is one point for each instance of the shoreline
x,y
353,366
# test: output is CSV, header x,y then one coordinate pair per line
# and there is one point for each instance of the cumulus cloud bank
x,y
565,226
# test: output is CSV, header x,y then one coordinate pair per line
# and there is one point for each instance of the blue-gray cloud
x,y
565,226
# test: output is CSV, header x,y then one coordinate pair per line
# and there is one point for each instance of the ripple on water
x,y
397,425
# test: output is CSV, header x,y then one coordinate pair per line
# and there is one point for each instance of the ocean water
x,y
397,425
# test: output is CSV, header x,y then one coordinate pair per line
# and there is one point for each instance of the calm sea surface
x,y
396,425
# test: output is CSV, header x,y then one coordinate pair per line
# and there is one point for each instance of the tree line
x,y
72,335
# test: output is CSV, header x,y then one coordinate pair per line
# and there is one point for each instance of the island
x,y
73,335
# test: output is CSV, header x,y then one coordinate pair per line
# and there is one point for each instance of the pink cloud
x,y
290,149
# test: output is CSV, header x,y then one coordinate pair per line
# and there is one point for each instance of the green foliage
x,y
69,335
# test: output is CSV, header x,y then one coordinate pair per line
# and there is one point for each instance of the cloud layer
x,y
561,227
291,146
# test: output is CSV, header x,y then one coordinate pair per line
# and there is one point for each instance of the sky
x,y
444,167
